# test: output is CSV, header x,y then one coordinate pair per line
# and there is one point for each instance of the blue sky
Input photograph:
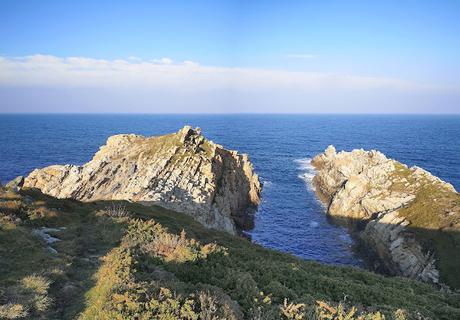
x,y
409,50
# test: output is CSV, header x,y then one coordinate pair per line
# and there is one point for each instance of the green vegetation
x,y
119,260
27,298
435,220
166,144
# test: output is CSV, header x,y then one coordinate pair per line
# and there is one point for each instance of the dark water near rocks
x,y
280,146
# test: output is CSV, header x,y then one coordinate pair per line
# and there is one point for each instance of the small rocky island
x,y
407,219
182,171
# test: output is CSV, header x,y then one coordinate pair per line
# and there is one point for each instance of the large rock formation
x,y
181,171
408,219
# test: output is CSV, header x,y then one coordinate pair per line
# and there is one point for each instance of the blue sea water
x,y
289,218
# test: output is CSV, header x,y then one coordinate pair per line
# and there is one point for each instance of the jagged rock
x,y
181,171
398,212
16,184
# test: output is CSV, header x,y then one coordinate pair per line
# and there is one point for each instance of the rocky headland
x,y
407,219
68,259
62,258
182,171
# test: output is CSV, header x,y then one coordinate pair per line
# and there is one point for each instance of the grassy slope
x,y
108,268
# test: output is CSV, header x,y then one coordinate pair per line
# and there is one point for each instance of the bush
x,y
325,311
153,239
293,311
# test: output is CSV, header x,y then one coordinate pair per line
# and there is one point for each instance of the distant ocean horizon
x,y
280,146
422,114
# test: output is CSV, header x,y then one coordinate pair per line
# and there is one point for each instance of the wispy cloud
x,y
300,56
47,70
249,88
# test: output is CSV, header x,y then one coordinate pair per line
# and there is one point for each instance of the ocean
x,y
290,218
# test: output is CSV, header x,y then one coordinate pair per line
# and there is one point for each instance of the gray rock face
x,y
394,209
181,171
44,233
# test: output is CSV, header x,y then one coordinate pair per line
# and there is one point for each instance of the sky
x,y
230,56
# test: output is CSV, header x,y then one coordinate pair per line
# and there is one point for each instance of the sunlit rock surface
x,y
408,219
182,171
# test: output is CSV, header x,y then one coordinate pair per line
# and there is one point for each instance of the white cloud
x,y
134,58
46,70
193,84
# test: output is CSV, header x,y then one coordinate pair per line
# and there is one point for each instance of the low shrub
x,y
326,312
12,311
153,239
293,311
115,210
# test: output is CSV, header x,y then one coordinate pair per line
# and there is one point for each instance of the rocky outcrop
x,y
181,171
408,219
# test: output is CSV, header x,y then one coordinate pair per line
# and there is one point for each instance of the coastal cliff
x,y
182,171
407,219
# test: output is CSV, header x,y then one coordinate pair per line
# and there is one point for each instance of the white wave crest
x,y
267,183
307,171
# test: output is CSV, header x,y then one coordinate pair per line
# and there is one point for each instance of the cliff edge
x,y
182,171
408,219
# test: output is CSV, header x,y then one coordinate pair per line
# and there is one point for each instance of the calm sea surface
x,y
280,146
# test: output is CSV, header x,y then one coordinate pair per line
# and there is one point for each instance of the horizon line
x,y
232,113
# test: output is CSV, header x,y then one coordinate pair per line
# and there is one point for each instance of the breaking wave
x,y
307,171
266,183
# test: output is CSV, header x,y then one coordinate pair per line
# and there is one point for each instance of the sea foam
x,y
307,171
